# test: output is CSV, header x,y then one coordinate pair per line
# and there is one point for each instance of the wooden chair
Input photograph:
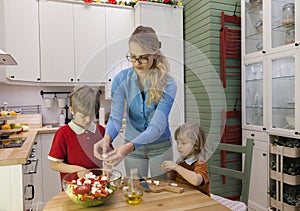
x,y
243,175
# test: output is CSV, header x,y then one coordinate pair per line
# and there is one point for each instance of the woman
x,y
148,91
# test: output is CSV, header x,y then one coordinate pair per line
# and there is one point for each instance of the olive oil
x,y
133,194
133,198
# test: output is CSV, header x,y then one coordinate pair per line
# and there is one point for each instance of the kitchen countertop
x,y
19,155
190,199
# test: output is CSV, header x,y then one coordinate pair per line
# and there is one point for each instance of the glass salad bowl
x,y
91,187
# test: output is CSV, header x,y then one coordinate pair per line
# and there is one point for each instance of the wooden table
x,y
190,199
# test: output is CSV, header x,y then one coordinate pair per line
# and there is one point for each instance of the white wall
x,y
22,95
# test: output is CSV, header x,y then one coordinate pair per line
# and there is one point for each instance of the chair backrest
x,y
243,175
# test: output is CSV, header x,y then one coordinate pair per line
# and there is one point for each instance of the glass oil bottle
x,y
133,194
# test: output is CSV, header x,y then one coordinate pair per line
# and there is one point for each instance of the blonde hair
x,y
192,132
85,100
147,39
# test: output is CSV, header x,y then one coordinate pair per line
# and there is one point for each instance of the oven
x,y
29,175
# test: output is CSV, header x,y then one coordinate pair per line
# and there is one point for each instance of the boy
x,y
72,146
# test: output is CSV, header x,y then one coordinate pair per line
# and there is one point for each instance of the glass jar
x,y
259,26
290,36
133,194
288,14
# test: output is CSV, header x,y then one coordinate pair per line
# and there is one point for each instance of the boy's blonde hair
x,y
85,100
147,39
192,132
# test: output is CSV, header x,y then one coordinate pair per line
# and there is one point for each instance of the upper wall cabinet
x,y
89,43
167,21
270,26
83,43
120,25
57,41
270,59
19,36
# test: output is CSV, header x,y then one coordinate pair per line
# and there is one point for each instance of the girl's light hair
x,y
192,132
85,100
147,39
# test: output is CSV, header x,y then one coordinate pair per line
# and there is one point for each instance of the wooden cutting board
x,y
164,186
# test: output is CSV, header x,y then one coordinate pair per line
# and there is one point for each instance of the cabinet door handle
x,y
296,44
264,154
32,192
252,134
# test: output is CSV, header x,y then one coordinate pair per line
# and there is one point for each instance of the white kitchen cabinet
x,y
270,93
20,40
56,41
94,39
14,198
285,95
158,17
51,179
89,42
119,26
258,198
254,89
271,57
270,26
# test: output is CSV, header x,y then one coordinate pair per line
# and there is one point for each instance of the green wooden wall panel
x,y
202,24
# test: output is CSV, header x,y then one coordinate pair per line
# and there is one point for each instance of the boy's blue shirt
x,y
144,124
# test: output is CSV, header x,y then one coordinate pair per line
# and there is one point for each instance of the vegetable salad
x,y
90,190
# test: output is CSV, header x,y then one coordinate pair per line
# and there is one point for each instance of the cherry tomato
x,y
82,189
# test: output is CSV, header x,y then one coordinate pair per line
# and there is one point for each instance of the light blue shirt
x,y
144,124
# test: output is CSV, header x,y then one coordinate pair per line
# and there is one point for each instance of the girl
x,y
190,139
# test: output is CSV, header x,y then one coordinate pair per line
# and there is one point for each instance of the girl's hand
x,y
116,156
168,165
102,147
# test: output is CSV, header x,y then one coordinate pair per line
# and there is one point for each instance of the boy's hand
x,y
168,165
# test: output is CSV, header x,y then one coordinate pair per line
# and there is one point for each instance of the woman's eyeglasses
x,y
141,59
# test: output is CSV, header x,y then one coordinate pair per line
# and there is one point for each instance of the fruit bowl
x,y
91,187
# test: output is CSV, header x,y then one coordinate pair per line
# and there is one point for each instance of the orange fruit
x,y
13,113
6,127
6,142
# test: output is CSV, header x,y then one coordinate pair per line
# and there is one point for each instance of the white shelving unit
x,y
271,59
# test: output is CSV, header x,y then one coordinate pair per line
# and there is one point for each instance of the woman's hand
x,y
102,147
116,156
168,165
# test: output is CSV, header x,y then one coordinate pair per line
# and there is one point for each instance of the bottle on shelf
x,y
61,118
133,194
